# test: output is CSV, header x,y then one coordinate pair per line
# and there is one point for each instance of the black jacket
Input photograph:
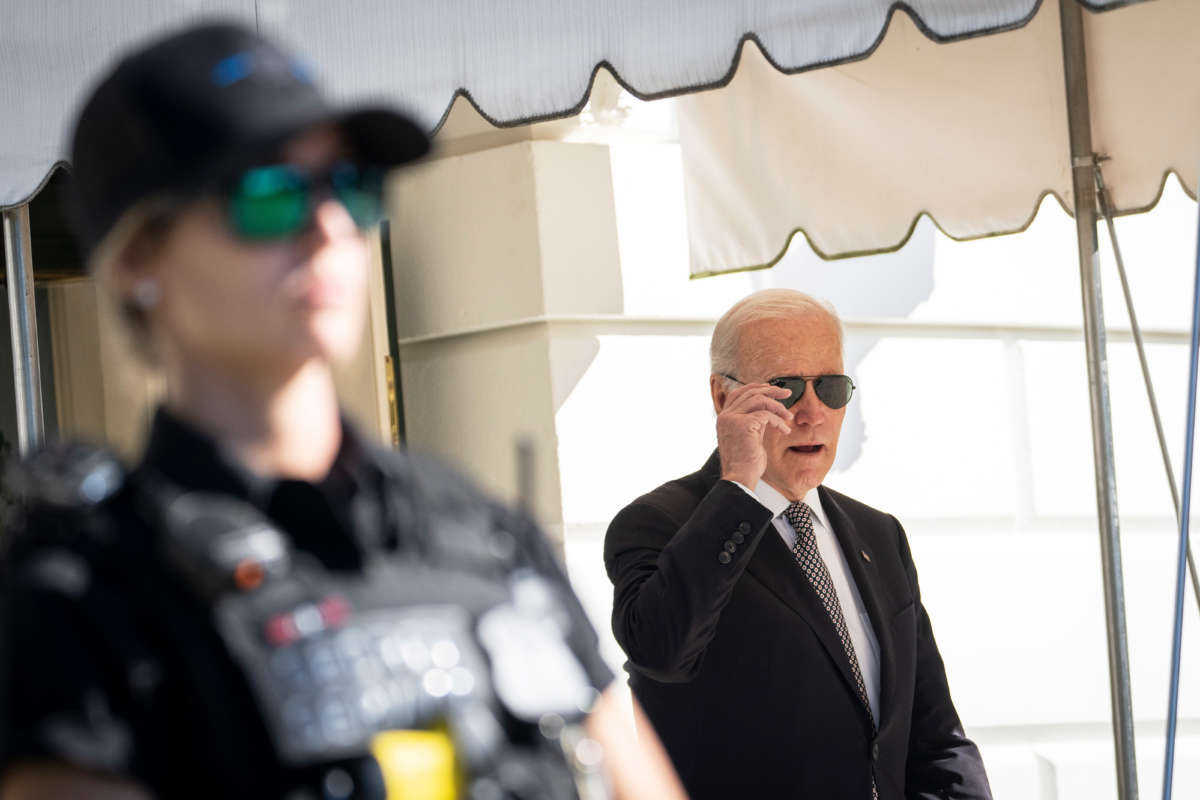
x,y
740,669
111,662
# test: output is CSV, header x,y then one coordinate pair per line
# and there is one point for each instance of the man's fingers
x,y
765,398
752,389
754,392
774,420
757,422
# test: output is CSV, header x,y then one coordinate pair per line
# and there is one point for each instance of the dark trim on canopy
x,y
749,36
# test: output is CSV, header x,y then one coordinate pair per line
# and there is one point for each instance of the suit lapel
x,y
774,566
867,579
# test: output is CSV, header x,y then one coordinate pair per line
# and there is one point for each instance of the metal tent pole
x,y
27,376
1082,159
1107,212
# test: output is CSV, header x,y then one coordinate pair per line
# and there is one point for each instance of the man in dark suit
x,y
774,627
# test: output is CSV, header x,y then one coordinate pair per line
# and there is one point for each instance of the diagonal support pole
x,y
1184,525
1107,212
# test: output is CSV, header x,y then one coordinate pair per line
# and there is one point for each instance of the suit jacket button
x,y
730,547
724,557
874,751
738,538
744,528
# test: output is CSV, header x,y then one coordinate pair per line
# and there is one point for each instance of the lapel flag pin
x,y
866,557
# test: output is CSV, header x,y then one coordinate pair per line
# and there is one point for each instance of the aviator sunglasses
x,y
832,390
276,201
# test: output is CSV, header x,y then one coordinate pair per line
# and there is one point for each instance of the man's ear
x,y
718,386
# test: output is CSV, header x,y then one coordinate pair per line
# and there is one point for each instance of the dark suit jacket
x,y
740,669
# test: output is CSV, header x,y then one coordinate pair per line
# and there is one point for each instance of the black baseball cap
x,y
185,110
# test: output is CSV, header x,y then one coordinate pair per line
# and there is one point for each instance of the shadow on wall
x,y
877,286
570,359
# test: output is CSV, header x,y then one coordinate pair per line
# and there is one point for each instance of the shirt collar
x,y
777,503
194,460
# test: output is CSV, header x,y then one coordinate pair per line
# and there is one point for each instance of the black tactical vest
x,y
446,664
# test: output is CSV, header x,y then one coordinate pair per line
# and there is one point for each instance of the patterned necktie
x,y
799,514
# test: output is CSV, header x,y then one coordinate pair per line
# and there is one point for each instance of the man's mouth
x,y
807,449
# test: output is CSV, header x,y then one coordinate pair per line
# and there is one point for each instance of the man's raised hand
x,y
742,423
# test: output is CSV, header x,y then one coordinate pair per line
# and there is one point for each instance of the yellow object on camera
x,y
417,765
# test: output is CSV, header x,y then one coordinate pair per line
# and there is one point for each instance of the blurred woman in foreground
x,y
267,604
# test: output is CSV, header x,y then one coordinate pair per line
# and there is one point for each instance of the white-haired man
x,y
774,627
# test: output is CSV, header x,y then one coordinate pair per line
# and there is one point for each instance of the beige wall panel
x,y
77,373
494,238
577,228
470,399
464,241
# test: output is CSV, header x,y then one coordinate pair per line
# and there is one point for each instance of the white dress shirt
x,y
858,624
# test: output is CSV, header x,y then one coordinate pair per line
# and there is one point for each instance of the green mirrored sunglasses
x,y
277,200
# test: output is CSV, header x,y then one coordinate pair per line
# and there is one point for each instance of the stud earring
x,y
146,294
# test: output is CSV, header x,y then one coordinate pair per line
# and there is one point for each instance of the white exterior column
x,y
488,243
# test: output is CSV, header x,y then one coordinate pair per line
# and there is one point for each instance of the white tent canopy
x,y
517,61
972,133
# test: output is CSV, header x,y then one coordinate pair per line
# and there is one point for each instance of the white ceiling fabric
x,y
50,52
518,61
973,133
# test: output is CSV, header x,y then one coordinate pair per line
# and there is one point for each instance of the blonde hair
x,y
765,304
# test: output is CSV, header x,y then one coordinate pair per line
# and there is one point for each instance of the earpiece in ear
x,y
146,294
